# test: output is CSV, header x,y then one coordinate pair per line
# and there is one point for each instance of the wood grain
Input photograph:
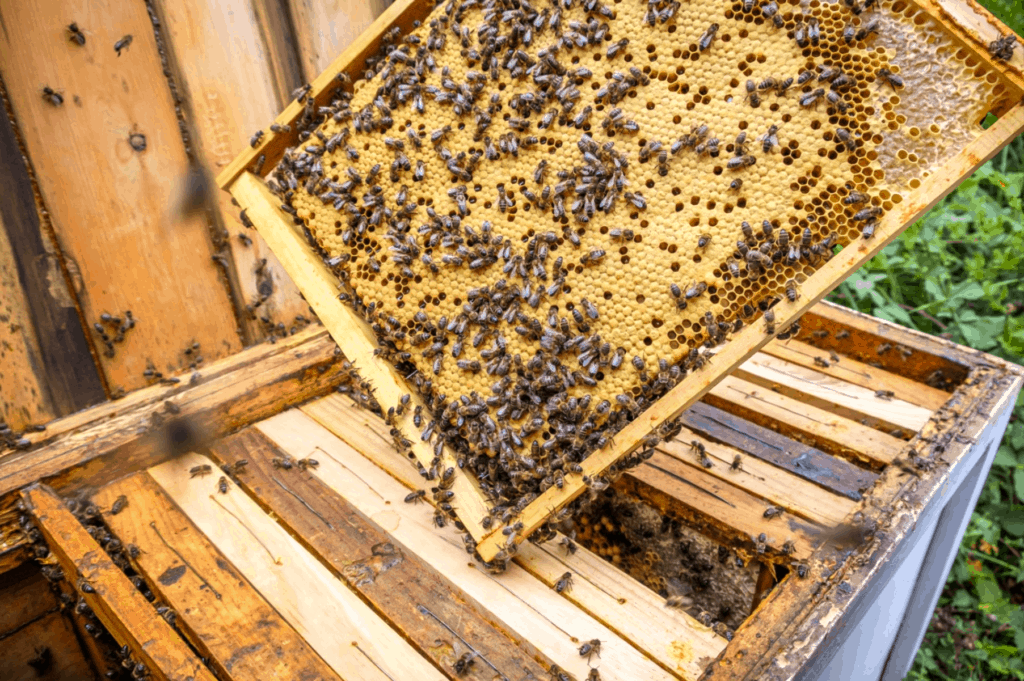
x,y
126,614
91,448
353,335
521,602
52,633
346,632
229,91
110,205
280,43
424,605
67,377
221,612
323,28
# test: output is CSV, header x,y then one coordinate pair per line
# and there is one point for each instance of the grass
x,y
959,273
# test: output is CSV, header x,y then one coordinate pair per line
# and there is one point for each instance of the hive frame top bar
x,y
970,26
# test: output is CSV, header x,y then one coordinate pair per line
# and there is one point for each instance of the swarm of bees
x,y
415,182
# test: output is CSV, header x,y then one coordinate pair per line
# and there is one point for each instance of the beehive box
x,y
333,570
560,244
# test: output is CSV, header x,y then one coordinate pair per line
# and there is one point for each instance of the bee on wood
x,y
564,583
122,44
557,674
464,662
200,471
842,335
53,97
868,230
769,321
284,463
119,505
737,463
801,571
791,291
1002,49
709,37
590,648
772,512
821,362
569,545
593,675
812,98
222,485
738,162
887,76
885,394
75,34
255,139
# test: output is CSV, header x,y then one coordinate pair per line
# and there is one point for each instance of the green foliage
x,y
959,273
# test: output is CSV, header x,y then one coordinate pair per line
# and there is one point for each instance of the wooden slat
x,y
679,643
26,596
775,485
851,371
126,614
716,508
91,448
524,604
804,422
832,473
823,391
109,205
324,29
279,41
220,611
50,636
397,583
68,377
24,393
402,13
353,335
227,80
346,633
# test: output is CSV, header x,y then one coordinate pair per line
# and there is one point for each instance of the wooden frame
x,y
353,333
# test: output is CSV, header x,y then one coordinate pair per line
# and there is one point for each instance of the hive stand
x,y
355,337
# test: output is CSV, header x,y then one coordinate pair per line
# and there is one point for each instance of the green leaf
x,y
1005,458
1018,483
1013,522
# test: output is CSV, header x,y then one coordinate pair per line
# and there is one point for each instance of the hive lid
x,y
551,230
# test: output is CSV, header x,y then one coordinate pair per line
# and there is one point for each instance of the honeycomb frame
x,y
742,344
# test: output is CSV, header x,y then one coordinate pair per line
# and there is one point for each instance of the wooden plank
x,y
805,423
126,614
279,41
775,485
24,392
66,371
229,92
851,371
221,613
811,464
26,596
347,634
522,603
324,28
110,205
354,335
402,13
826,392
679,643
91,448
44,649
408,592
717,509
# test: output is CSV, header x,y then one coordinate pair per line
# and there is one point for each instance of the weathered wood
x,y
402,13
219,610
804,422
66,373
851,371
96,649
811,464
279,40
347,634
93,447
800,611
110,206
717,509
324,28
229,93
522,603
843,398
409,593
126,614
50,637
26,596
679,643
354,335
775,485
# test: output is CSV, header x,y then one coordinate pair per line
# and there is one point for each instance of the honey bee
x,y
847,138
75,34
696,290
769,321
738,162
868,28
702,241
801,571
709,37
415,497
770,139
617,47
737,463
868,230
885,394
867,214
821,362
593,675
887,76
752,96
812,98
1001,49
590,648
772,512
564,583
52,96
791,291
788,547
222,485
569,545
119,505
855,198
464,662
122,44
200,471
736,184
